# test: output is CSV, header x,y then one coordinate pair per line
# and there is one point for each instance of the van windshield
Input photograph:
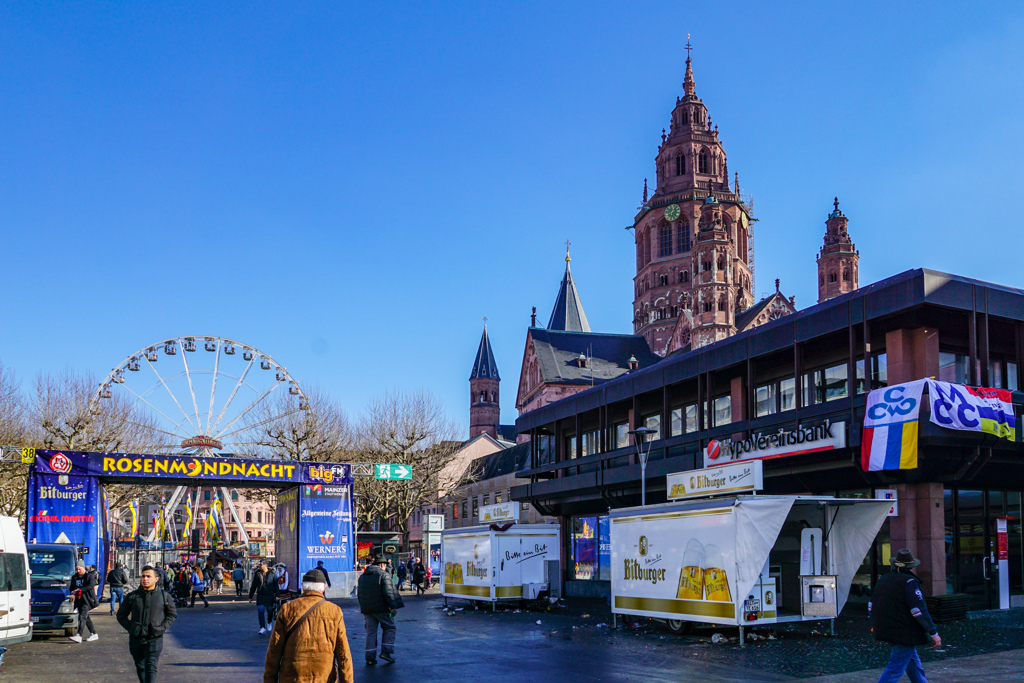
x,y
54,564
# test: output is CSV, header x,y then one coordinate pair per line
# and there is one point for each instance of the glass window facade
x,y
590,548
723,410
653,422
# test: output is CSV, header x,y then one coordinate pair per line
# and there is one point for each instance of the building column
x,y
920,526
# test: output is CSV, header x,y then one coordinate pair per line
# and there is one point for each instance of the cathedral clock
x,y
672,212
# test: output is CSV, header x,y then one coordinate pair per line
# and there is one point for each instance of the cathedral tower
x,y
838,260
484,405
693,220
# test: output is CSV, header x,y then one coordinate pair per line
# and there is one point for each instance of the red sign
x,y
713,450
60,463
1001,540
201,441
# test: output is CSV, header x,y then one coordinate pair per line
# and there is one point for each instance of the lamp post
x,y
640,435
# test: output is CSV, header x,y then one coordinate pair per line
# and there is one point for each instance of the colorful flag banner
x,y
134,508
972,409
891,428
188,515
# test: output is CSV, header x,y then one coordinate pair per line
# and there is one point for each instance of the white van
x,y
15,626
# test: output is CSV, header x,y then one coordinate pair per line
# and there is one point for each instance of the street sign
x,y
392,472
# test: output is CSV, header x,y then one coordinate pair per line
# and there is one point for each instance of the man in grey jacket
x,y
378,601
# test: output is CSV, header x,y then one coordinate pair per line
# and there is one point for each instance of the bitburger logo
x,y
643,545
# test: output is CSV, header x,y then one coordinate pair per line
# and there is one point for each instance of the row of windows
x,y
683,238
705,163
179,516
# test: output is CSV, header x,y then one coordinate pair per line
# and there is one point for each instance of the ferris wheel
x,y
200,395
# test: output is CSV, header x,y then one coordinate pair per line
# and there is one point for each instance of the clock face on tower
x,y
672,212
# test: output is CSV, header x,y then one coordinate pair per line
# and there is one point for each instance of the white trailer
x,y
481,563
740,560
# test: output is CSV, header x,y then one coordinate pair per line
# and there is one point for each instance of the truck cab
x,y
15,626
53,608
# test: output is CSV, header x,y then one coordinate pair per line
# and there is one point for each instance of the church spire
x,y
484,367
567,313
689,87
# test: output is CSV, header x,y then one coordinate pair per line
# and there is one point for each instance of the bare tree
x,y
405,428
13,433
63,415
278,429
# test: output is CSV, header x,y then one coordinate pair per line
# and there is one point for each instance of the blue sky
x,y
351,188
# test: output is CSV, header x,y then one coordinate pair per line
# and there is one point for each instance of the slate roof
x,y
557,353
506,461
485,367
746,317
507,433
567,313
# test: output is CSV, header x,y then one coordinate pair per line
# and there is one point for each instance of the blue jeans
x,y
116,595
261,611
903,658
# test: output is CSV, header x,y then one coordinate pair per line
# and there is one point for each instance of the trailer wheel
x,y
626,618
679,627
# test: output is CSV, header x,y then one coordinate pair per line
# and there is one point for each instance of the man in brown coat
x,y
308,644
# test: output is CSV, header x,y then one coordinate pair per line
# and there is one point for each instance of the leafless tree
x,y
405,428
63,415
13,434
278,429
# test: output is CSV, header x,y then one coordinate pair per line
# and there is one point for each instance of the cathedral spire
x,y
484,367
689,87
567,313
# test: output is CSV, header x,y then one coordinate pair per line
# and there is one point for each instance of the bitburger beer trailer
x,y
492,563
738,560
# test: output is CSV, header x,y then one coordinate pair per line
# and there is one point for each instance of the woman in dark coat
x,y
419,574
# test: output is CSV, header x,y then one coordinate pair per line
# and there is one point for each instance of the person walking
x,y
899,616
403,573
146,614
264,587
238,578
117,579
83,587
198,585
320,568
378,601
218,577
419,573
308,642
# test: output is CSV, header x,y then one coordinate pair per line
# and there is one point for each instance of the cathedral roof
x,y
567,313
485,367
607,355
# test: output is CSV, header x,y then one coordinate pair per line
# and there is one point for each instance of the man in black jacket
x,y
264,587
117,579
378,602
83,588
146,614
900,616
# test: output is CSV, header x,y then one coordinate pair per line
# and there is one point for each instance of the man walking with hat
x,y
308,642
899,616
378,601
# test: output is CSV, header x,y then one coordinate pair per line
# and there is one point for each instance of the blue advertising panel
x,y
325,526
188,469
64,508
604,552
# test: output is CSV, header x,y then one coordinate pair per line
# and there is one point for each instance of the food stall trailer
x,y
493,564
741,560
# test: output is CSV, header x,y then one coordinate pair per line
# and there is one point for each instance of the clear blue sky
x,y
351,187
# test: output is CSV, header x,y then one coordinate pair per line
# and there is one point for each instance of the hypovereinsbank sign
x,y
824,437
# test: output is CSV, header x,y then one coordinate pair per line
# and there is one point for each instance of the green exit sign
x,y
392,472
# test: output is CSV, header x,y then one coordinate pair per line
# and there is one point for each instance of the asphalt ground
x,y
569,643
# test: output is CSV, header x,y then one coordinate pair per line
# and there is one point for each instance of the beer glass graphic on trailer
x,y
716,581
691,577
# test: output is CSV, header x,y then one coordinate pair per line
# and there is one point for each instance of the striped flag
x,y
188,515
891,428
133,507
972,409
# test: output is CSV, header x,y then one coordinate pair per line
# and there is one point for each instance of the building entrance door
x,y
972,545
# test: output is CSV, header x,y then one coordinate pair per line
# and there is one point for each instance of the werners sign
x,y
824,437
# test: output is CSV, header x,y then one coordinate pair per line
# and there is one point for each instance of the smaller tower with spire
x,y
567,313
838,260
484,399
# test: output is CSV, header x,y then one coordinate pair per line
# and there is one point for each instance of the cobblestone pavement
x,y
572,643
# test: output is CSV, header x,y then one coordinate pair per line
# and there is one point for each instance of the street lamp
x,y
640,435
